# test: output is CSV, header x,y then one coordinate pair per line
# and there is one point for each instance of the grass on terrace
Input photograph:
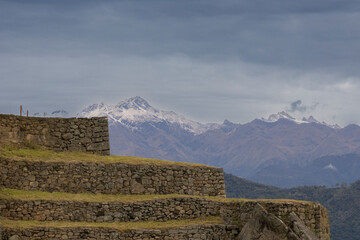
x,y
43,155
6,193
15,194
121,226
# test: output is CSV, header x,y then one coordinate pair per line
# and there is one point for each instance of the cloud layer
x,y
208,60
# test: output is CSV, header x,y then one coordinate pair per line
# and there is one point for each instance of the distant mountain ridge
x,y
257,150
284,115
135,111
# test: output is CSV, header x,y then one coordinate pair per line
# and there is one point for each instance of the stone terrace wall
x,y
114,178
234,213
192,232
312,214
59,134
154,210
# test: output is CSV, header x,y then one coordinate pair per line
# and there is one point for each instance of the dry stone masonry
x,y
153,210
216,232
111,178
236,215
203,185
59,134
233,213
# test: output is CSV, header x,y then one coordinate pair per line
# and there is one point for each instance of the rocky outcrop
x,y
300,229
314,216
266,226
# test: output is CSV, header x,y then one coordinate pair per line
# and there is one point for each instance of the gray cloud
x,y
300,34
207,59
297,106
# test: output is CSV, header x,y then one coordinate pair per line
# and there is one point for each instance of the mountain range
x,y
279,150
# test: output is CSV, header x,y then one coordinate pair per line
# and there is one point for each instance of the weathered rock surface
x,y
266,226
300,229
313,215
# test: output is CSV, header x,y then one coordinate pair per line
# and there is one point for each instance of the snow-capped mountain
x,y
136,110
284,115
280,115
282,154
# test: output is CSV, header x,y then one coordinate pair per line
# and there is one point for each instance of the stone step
x,y
88,173
200,228
56,206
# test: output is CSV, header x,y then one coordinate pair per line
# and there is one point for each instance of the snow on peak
x,y
136,110
94,110
331,167
285,115
280,115
335,126
310,119
135,103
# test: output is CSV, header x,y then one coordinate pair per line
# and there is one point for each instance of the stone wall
x,y
111,178
91,135
197,232
314,216
59,134
234,213
152,210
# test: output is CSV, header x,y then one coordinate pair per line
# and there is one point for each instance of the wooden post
x,y
20,110
27,113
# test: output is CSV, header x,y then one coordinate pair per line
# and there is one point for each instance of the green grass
x,y
42,155
121,226
6,193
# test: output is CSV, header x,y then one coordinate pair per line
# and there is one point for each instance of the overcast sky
x,y
207,60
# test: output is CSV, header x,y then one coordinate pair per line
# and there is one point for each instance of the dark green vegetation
x,y
343,202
